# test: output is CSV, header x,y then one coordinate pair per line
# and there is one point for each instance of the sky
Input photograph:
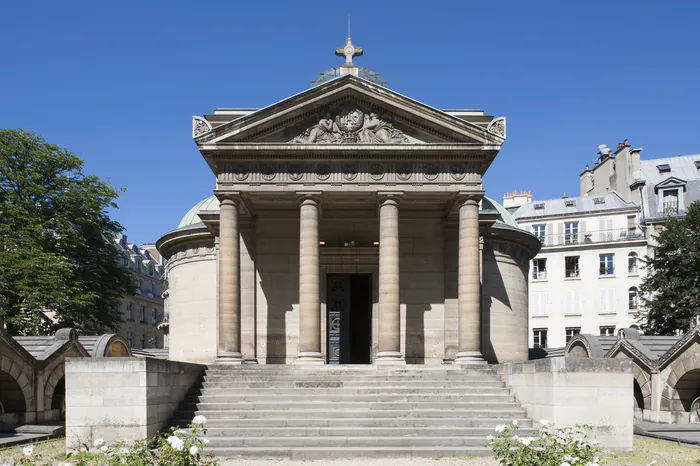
x,y
117,83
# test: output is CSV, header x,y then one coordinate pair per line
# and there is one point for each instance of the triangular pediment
x,y
671,182
350,110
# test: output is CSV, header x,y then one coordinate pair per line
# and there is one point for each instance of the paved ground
x,y
11,439
685,433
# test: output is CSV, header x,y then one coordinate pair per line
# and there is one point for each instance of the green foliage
x,y
567,446
176,447
56,250
671,290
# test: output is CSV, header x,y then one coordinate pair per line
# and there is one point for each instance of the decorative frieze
x,y
280,173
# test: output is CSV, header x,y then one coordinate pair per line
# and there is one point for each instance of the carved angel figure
x,y
325,131
374,131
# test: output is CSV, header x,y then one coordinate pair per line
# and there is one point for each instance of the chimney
x,y
517,198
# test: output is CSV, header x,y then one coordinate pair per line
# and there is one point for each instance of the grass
x,y
646,450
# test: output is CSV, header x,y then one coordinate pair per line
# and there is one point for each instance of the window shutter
x,y
582,226
560,233
603,300
550,232
577,302
611,300
543,302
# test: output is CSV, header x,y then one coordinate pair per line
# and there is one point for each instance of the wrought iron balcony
x,y
591,237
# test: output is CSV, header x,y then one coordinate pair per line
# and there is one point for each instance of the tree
x,y
671,290
59,266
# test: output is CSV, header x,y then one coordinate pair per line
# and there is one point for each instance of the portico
x,y
346,179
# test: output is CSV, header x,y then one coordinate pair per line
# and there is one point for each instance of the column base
x,y
229,358
247,360
466,358
309,358
390,358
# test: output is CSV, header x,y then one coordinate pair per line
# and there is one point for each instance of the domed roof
x,y
504,216
364,73
191,217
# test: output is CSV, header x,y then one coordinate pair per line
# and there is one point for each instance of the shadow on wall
x,y
493,290
415,332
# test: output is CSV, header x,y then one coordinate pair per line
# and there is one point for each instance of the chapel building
x,y
348,225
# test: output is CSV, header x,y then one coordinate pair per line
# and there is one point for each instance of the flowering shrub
x,y
552,446
175,447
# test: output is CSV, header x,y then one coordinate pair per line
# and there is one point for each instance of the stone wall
x,y
568,391
123,399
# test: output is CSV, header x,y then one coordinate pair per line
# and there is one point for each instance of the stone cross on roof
x,y
349,51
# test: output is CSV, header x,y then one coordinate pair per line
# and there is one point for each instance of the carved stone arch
x,y
584,345
17,371
672,399
644,382
56,374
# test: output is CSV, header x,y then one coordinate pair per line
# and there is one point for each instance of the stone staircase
x,y
351,411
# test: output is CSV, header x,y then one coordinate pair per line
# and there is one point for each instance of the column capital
x,y
311,196
384,196
233,196
468,197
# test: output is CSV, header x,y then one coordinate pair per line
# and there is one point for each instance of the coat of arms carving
x,y
351,125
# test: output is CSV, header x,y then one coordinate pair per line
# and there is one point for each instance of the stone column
x,y
469,283
389,291
229,349
309,281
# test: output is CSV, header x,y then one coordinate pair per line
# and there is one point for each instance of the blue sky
x,y
118,82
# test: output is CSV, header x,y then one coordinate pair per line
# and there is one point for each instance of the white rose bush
x,y
550,446
174,447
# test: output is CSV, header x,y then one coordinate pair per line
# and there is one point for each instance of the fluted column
x,y
309,281
229,349
389,297
468,285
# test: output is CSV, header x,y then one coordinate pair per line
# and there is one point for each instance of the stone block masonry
x,y
568,391
123,399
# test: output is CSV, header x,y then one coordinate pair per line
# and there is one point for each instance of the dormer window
x,y
598,200
664,168
697,164
570,202
539,206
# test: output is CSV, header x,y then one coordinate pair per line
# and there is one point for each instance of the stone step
x,y
363,422
355,384
233,414
309,453
360,405
373,397
343,431
335,378
366,390
337,441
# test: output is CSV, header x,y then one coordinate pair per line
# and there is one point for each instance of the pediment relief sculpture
x,y
350,125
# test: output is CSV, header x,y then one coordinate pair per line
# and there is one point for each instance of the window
x,y
539,269
130,312
571,232
697,164
143,341
142,313
539,231
125,261
607,301
138,285
155,316
664,168
571,267
570,203
598,200
632,224
670,202
539,303
632,263
633,301
573,303
137,265
150,269
607,264
539,205
539,336
571,331
130,338
607,331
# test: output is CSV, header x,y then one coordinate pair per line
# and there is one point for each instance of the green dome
x,y
191,217
504,216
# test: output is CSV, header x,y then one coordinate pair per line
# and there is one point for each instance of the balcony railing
x,y
670,208
573,273
539,275
590,237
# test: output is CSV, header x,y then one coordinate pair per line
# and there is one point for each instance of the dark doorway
x,y
349,307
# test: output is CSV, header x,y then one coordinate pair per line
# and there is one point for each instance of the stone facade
x,y
344,181
143,311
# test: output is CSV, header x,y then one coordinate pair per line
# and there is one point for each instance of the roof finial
x,y
349,51
348,25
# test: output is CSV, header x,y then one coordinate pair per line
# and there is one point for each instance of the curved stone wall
x,y
504,305
191,301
